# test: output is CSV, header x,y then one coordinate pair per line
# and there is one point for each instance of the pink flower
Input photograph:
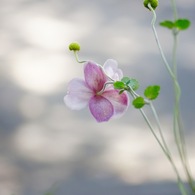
x,y
88,92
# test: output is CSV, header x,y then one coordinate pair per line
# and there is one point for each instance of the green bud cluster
x,y
153,3
74,46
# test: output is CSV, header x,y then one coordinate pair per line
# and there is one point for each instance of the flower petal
x,y
101,108
78,94
94,76
111,69
120,102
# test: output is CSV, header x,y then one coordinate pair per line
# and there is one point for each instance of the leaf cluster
x,y
126,84
151,93
180,24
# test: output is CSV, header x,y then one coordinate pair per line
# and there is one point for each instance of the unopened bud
x,y
153,3
74,47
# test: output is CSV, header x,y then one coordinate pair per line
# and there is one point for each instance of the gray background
x,y
44,146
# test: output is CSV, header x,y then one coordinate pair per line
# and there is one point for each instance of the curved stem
x,y
158,42
177,126
167,154
162,145
77,58
180,183
104,87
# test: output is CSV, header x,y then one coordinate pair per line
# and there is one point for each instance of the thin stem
x,y
162,145
174,9
77,58
154,134
158,42
174,52
167,154
104,87
162,53
178,133
173,76
148,123
176,119
159,126
178,130
165,150
165,145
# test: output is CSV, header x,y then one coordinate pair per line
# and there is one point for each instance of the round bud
x,y
74,47
153,3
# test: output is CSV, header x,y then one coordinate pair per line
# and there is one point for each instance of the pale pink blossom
x,y
103,102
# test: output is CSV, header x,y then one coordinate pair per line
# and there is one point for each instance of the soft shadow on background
x,y
44,146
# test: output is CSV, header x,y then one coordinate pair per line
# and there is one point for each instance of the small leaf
x,y
152,92
182,24
125,80
138,102
133,84
119,85
168,24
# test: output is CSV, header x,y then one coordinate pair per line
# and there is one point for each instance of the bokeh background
x,y
47,148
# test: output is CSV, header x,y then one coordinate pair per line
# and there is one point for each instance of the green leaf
x,y
138,102
125,80
133,84
152,92
168,24
119,85
182,24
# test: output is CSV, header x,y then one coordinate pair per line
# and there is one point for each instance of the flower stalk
x,y
162,143
177,124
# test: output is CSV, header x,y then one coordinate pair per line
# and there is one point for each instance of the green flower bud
x,y
153,3
74,47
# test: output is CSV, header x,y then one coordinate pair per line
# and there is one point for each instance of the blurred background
x,y
47,148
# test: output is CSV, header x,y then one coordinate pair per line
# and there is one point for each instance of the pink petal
x,y
101,108
120,102
94,76
78,94
111,69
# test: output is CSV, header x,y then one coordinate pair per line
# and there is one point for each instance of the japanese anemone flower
x,y
103,100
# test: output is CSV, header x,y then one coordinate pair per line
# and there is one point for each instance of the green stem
x,y
134,95
159,126
167,154
158,43
180,183
77,58
178,127
178,133
174,9
162,144
173,76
